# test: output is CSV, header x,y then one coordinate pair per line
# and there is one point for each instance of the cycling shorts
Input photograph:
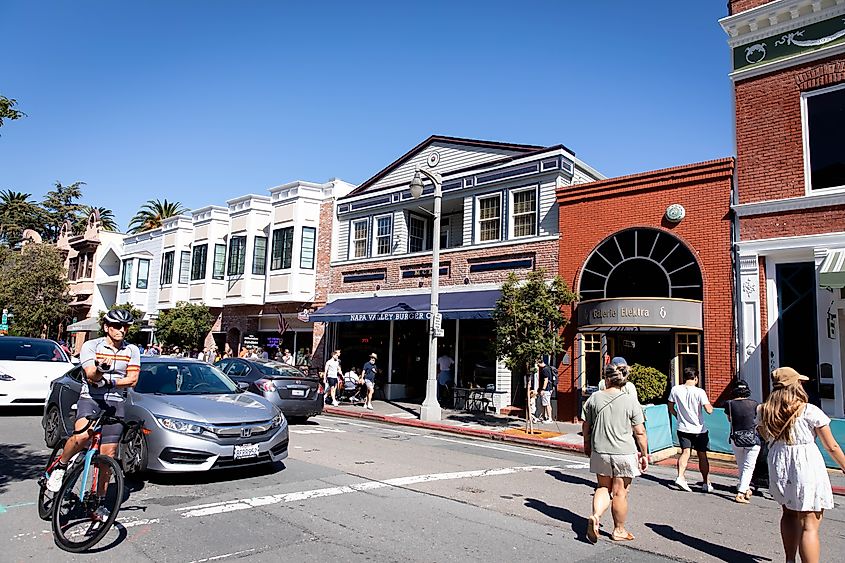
x,y
111,432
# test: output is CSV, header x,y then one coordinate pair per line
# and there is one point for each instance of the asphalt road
x,y
355,491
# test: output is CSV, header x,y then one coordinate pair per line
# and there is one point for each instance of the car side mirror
x,y
74,360
242,385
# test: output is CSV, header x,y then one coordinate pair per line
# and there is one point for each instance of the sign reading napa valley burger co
x,y
394,316
655,313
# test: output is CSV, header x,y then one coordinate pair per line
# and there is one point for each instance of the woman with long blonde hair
x,y
798,477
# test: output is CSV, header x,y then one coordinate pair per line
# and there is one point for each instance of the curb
x,y
475,432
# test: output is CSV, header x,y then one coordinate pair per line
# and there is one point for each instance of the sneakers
x,y
682,483
369,407
707,487
101,514
57,476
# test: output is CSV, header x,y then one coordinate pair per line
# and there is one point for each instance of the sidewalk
x,y
554,435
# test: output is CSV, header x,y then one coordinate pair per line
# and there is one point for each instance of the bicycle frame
x,y
93,449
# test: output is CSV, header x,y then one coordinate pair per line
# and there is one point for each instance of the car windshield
x,y
30,350
275,368
183,378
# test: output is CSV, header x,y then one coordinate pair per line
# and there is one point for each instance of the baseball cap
x,y
374,356
618,361
786,376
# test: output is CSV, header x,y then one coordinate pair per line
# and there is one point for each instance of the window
x,y
143,274
198,262
360,235
184,266
219,268
824,151
282,248
384,234
445,227
306,256
417,230
167,268
237,255
89,264
259,256
687,348
489,218
72,267
524,213
126,277
592,358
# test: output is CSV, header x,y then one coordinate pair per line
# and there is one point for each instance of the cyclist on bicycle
x,y
111,365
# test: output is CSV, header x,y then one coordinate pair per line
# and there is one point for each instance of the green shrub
x,y
650,383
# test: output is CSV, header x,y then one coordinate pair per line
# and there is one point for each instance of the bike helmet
x,y
119,317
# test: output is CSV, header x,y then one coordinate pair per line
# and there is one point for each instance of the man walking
x,y
686,403
613,432
332,374
544,387
368,374
444,377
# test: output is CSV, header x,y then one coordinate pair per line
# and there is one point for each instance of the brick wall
x,y
589,213
544,254
793,223
770,154
324,252
764,324
738,6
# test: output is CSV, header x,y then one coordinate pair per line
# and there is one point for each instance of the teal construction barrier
x,y
657,428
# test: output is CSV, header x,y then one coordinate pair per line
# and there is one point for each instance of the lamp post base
x,y
430,413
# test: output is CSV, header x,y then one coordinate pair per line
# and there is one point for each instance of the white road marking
x,y
254,502
218,557
325,430
575,464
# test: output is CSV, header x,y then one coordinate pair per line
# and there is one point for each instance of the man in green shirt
x,y
613,431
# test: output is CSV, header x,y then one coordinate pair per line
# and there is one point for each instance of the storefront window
x,y
592,358
688,351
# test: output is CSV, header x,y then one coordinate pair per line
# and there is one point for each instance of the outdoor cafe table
x,y
473,399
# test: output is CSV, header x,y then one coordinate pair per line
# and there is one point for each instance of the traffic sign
x,y
438,322
438,333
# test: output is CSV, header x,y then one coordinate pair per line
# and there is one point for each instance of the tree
x,y
134,334
186,325
60,206
7,109
33,286
107,222
529,317
151,214
17,213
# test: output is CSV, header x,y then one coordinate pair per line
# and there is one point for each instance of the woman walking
x,y
742,412
798,479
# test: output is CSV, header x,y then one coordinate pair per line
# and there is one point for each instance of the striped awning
x,y
832,272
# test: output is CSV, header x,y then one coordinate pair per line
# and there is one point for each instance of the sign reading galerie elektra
x,y
657,313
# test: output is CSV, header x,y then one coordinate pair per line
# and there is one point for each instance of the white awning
x,y
832,272
85,325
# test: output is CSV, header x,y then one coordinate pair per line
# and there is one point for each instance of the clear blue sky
x,y
202,101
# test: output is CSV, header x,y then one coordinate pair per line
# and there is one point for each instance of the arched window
x,y
641,263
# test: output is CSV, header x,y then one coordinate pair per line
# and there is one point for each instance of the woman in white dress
x,y
798,478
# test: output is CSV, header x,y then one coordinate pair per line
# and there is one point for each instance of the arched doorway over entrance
x,y
641,291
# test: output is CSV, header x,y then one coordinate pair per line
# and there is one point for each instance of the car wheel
x,y
135,455
52,428
297,419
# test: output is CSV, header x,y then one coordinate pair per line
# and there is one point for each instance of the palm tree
x,y
151,214
17,213
107,222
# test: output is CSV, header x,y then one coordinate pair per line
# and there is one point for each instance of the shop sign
x,y
250,340
656,313
395,316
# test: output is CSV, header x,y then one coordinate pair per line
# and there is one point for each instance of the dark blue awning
x,y
453,305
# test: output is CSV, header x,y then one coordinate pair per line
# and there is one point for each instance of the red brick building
x,y
650,257
789,87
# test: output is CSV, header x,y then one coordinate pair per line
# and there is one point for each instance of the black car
x,y
298,395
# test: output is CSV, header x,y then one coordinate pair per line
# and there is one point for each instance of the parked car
x,y
298,395
27,366
195,419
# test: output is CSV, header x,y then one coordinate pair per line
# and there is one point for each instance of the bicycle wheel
x,y
75,526
45,497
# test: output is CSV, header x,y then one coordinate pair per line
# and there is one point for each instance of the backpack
x,y
553,377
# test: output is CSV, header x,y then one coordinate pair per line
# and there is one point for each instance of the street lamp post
x,y
431,408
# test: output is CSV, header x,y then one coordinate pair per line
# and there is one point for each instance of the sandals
x,y
741,498
593,529
627,537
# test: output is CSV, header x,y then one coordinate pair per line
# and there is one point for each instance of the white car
x,y
27,366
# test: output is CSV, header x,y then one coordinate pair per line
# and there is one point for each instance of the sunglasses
x,y
119,326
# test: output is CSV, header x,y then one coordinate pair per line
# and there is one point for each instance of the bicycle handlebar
x,y
130,428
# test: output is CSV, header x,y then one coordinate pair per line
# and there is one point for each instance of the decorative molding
x,y
781,64
781,244
789,204
748,264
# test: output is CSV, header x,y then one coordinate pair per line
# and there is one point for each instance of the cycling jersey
x,y
123,360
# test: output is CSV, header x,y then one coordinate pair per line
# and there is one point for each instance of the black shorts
x,y
332,381
697,442
111,432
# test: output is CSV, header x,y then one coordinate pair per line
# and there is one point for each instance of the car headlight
x,y
278,419
6,377
181,426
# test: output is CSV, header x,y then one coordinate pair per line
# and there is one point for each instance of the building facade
x,y
789,89
649,257
498,216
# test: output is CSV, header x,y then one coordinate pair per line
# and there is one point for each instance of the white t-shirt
x,y
332,368
689,401
444,363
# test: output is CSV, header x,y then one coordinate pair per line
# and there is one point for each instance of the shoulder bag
x,y
742,438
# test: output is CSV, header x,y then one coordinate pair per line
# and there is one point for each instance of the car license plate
x,y
297,392
246,451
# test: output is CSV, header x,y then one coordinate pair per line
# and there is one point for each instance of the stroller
x,y
351,391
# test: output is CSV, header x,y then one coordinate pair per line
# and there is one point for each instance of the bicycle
x,y
45,497
92,481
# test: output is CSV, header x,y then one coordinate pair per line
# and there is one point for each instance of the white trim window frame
x,y
382,234
359,238
445,232
414,224
805,134
491,222
523,214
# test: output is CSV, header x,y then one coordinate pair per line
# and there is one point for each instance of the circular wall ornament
x,y
434,159
675,212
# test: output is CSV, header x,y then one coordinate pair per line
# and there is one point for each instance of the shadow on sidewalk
x,y
577,522
573,479
720,552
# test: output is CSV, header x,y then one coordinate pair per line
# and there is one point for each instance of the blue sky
x,y
202,101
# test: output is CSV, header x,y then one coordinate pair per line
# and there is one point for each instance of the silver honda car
x,y
195,419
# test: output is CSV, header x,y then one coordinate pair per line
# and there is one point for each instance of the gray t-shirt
x,y
123,360
612,415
